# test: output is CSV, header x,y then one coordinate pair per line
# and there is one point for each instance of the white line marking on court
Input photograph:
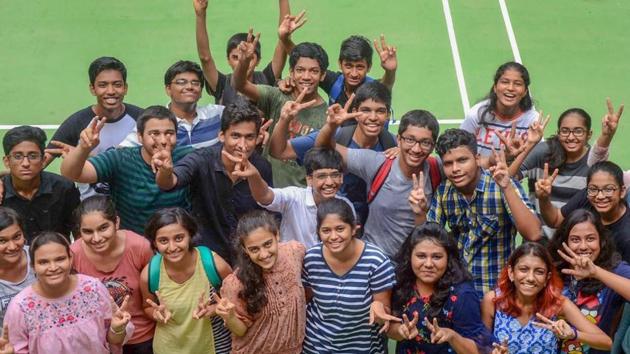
x,y
441,121
510,31
456,59
42,126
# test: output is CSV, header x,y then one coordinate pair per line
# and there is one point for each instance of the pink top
x,y
75,323
279,326
123,280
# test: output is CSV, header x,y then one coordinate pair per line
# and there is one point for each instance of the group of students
x,y
277,221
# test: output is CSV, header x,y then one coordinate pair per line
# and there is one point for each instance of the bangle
x,y
117,332
575,334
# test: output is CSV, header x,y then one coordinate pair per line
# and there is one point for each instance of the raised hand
x,y
536,130
89,137
162,158
543,185
224,308
336,114
387,54
200,7
160,312
62,149
392,152
290,24
263,132
582,266
514,144
560,328
501,348
242,167
499,170
409,329
120,315
286,86
417,199
205,307
380,316
5,345
439,334
611,120
247,49
291,109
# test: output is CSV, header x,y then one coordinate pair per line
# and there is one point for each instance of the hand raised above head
x,y
386,53
610,121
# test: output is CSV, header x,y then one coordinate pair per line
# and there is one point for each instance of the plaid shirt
x,y
483,227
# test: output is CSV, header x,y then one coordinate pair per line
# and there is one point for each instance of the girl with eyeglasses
x,y
604,195
594,276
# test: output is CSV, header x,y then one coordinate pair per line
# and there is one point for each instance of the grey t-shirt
x,y
9,289
390,219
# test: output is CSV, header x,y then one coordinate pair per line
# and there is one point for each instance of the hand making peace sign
x,y
162,158
160,312
89,137
290,109
499,170
337,115
513,142
560,328
501,348
387,54
409,329
582,266
417,199
205,308
120,315
224,308
610,121
536,130
544,184
290,24
439,334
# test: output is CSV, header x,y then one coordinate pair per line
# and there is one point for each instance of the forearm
x,y
72,166
420,219
236,326
260,189
325,137
598,340
165,179
279,59
604,140
597,153
203,50
389,78
526,221
550,214
515,166
615,282
118,337
462,345
278,145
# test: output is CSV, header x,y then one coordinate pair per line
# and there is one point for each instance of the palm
x,y
200,6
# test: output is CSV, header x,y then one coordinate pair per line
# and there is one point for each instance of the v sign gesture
x,y
582,266
337,115
120,315
417,199
387,54
544,184
89,137
291,109
408,330
439,334
500,169
611,120
160,312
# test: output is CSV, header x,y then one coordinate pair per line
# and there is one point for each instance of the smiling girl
x,y
62,312
180,304
15,270
351,283
595,278
116,257
435,296
524,311
263,300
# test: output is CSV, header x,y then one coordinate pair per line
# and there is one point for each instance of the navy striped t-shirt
x,y
337,316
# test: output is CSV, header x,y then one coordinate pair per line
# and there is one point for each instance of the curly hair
x,y
526,102
607,259
249,273
455,272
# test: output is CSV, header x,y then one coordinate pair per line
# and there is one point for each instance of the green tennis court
x,y
576,50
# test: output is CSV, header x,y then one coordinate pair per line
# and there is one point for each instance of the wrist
x,y
117,331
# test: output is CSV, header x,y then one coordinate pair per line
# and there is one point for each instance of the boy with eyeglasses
x,y
44,200
298,206
398,190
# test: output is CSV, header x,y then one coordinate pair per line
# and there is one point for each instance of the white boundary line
x,y
510,31
456,59
42,126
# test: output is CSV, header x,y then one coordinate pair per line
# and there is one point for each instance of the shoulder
x,y
58,181
476,109
210,110
133,111
81,117
296,248
374,253
135,241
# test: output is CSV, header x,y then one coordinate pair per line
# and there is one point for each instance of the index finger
x,y
307,104
300,15
300,97
152,303
546,171
611,109
435,323
513,130
99,125
420,179
568,250
123,306
415,181
59,144
159,297
543,318
429,325
554,175
230,156
250,34
383,43
216,297
256,39
348,104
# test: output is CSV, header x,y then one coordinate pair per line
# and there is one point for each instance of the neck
x,y
424,289
316,197
407,170
26,188
615,214
308,97
364,141
187,261
187,111
111,114
57,291
347,254
525,303
575,156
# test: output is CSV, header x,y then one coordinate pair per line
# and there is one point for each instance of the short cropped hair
x,y
309,50
183,66
355,48
24,133
421,119
155,112
239,111
106,63
318,158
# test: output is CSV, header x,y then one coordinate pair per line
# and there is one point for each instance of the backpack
x,y
383,171
344,137
208,265
337,88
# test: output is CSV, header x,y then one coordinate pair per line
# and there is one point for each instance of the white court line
x,y
456,59
441,121
42,126
510,32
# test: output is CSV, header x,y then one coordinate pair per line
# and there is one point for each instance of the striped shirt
x,y
483,227
133,187
337,316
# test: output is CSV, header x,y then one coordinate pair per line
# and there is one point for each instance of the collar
x,y
484,180
45,186
308,198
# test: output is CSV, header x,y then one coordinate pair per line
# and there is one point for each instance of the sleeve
x,y
268,74
302,144
578,201
229,290
364,163
18,333
187,168
131,140
329,80
383,277
436,213
596,154
218,92
72,201
283,199
299,250
467,317
306,279
106,164
535,158
264,168
471,121
266,100
69,131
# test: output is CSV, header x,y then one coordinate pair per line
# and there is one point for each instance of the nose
x,y
110,89
96,236
264,253
530,276
428,263
12,246
25,161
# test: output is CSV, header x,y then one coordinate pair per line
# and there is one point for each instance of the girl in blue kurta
x,y
435,297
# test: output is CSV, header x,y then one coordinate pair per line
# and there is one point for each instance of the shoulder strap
x,y
344,136
386,139
208,265
434,172
335,90
379,179
154,273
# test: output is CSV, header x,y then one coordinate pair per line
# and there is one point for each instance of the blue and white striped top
x,y
337,316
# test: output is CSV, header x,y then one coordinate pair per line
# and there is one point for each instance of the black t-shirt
x,y
327,84
619,230
216,202
226,94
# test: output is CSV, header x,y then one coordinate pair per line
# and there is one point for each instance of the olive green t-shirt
x,y
270,101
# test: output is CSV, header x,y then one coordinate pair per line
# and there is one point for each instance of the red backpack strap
x,y
434,172
379,179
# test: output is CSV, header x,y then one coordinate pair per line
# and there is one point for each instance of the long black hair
x,y
406,279
249,273
607,259
526,102
556,155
